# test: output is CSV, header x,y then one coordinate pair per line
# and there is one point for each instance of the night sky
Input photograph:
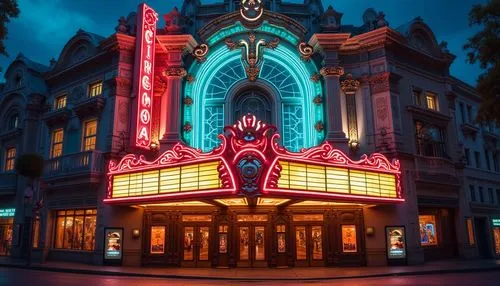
x,y
44,26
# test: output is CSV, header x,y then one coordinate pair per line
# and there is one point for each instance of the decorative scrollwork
x,y
200,52
349,86
251,10
175,72
332,71
230,44
306,51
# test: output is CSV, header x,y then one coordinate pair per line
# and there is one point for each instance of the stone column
x,y
170,121
349,87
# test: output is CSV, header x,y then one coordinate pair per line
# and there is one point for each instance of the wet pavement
x,y
10,276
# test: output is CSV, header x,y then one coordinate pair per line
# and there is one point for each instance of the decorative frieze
x,y
382,82
332,71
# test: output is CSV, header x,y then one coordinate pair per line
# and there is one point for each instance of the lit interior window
x,y
10,158
57,143
60,102
89,135
95,89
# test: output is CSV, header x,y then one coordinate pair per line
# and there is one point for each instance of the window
x,y
487,159
431,100
429,140
495,162
498,196
428,236
36,232
223,238
75,229
477,157
469,113
417,97
13,121
462,112
490,196
60,102
19,80
472,191
89,135
95,89
280,230
10,159
467,156
57,143
481,196
470,231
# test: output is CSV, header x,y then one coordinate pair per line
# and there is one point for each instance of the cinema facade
x,y
234,137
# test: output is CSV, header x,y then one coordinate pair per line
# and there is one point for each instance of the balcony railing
x,y
8,183
435,169
89,162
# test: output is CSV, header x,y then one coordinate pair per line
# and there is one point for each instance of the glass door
x,y
252,246
309,245
196,246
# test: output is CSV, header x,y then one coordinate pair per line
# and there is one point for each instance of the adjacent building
x,y
233,136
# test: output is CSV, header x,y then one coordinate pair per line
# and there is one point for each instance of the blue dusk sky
x,y
44,26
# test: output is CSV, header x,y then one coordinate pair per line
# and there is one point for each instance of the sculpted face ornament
x,y
251,10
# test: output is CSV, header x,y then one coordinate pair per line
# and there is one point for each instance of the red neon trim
x,y
326,195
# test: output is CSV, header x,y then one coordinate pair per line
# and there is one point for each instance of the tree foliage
x,y
8,10
484,48
30,165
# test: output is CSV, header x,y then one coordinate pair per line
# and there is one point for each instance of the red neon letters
x,y
144,63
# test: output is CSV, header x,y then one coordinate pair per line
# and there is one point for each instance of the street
x,y
9,276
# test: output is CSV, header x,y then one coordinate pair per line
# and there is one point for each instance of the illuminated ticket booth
x,y
252,203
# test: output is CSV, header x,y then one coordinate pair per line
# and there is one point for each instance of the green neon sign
x,y
7,212
495,222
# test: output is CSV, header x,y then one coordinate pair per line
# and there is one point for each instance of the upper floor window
x,y
462,112
472,191
477,157
60,102
487,159
469,113
417,97
57,139
95,89
430,140
467,157
495,162
490,196
18,80
481,196
431,101
89,135
13,121
10,158
498,196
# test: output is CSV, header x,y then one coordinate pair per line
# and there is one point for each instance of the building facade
x,y
233,136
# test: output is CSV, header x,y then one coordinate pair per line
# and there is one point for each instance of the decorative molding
x,y
306,51
190,78
319,126
381,82
187,127
352,119
349,86
318,99
200,52
188,100
315,77
175,72
332,71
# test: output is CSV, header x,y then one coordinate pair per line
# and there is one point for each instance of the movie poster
x,y
157,239
396,246
113,244
281,242
349,239
222,242
428,235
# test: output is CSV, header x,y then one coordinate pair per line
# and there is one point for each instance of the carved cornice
x,y
175,72
381,82
332,71
349,86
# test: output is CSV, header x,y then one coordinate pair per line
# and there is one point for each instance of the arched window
x,y
18,80
13,121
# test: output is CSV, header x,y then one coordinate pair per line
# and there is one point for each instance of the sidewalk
x,y
260,274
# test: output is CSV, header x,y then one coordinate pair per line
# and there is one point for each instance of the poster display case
x,y
395,237
113,243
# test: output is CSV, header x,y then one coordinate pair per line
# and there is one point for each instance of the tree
x,y
484,47
30,165
8,10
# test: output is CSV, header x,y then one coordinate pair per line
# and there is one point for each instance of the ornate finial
x,y
200,52
306,51
349,86
122,26
381,22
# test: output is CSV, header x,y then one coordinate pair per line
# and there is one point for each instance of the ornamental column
x,y
350,86
173,48
328,46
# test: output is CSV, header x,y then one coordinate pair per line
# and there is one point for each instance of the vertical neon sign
x,y
143,83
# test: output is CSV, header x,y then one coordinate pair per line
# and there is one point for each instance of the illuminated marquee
x,y
144,64
250,168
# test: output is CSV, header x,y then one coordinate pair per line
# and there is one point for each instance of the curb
x,y
175,276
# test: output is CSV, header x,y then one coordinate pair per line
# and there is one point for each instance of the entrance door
x,y
309,245
482,238
196,246
252,246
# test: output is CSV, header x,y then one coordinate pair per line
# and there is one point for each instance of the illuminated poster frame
x,y
395,243
113,245
144,75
